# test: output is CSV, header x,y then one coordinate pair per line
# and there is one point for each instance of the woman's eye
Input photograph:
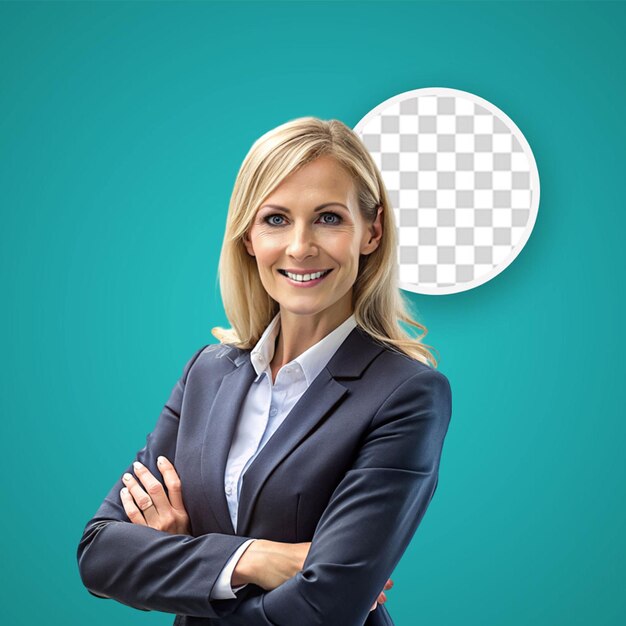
x,y
271,217
338,218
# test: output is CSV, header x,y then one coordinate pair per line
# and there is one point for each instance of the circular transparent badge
x,y
463,183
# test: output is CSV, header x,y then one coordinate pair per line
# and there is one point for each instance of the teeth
x,y
303,278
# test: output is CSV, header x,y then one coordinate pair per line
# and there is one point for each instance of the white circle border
x,y
534,177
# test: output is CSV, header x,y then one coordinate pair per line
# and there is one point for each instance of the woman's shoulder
x,y
222,352
393,363
211,356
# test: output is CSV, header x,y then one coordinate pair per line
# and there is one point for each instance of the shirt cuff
x,y
222,589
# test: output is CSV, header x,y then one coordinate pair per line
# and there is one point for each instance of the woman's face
x,y
312,223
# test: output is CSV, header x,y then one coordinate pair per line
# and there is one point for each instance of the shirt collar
x,y
312,361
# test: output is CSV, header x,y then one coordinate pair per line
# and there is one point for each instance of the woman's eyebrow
x,y
319,208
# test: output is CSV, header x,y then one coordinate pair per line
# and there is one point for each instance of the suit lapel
x,y
218,436
323,395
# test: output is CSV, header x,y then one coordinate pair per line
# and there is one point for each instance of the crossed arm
x,y
386,493
267,564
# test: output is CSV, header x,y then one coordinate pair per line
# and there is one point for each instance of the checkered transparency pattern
x,y
463,183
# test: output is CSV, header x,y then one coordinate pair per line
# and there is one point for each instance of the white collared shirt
x,y
264,409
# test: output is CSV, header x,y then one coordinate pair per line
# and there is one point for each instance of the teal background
x,y
122,127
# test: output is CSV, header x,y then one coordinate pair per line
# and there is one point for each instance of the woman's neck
x,y
299,332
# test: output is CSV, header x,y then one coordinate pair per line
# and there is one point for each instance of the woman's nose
x,y
301,241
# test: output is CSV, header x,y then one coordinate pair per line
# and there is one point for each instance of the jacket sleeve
x,y
223,589
371,516
143,567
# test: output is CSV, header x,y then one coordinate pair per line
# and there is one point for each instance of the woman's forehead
x,y
315,183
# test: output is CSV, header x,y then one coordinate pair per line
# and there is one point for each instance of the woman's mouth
x,y
305,280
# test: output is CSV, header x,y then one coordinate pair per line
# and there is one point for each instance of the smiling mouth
x,y
300,277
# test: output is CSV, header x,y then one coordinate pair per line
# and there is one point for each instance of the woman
x,y
298,456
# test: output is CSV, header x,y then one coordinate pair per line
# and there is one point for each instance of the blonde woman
x,y
294,460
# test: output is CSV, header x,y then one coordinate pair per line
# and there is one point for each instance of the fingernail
x,y
137,465
127,476
124,491
161,460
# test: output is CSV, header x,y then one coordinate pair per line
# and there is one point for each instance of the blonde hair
x,y
377,301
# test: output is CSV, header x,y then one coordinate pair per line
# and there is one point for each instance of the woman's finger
x,y
142,499
134,514
153,488
382,598
388,584
172,482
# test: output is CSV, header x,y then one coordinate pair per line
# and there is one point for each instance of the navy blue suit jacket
x,y
352,469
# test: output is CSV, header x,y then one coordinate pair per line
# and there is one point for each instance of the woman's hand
x,y
152,506
382,596
269,564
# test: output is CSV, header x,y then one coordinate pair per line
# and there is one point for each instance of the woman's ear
x,y
373,233
248,243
